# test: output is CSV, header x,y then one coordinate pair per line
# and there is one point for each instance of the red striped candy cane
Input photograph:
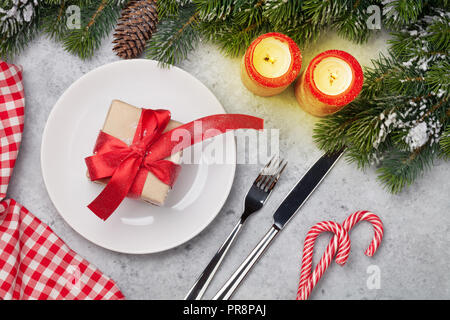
x,y
339,245
358,216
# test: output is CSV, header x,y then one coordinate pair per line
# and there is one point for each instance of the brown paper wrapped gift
x,y
121,123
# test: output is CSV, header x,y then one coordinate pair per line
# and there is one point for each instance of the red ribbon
x,y
128,166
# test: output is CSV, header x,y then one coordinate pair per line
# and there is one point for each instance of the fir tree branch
x,y
11,46
445,143
19,23
323,12
398,13
248,12
400,169
353,26
232,39
99,17
439,31
15,16
54,25
403,109
303,33
175,38
167,8
214,10
441,103
438,77
281,12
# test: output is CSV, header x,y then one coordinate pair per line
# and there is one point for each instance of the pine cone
x,y
135,26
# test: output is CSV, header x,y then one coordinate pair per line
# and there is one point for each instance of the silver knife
x,y
287,209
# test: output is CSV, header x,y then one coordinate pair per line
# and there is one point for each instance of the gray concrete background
x,y
413,258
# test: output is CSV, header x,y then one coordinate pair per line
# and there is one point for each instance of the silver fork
x,y
258,194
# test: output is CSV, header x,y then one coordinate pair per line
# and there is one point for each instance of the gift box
x,y
137,153
121,122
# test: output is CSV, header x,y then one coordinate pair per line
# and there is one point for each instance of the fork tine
x,y
263,173
270,183
275,180
260,175
269,172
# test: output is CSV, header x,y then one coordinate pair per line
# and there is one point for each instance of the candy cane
x,y
358,216
339,245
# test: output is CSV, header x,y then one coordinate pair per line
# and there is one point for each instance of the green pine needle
x,y
98,18
214,10
399,13
176,37
279,13
400,169
445,143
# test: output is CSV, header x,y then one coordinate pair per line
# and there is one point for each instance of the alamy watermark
x,y
374,280
373,22
252,146
73,14
73,277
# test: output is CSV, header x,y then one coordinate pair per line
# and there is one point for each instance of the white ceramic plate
x,y
70,134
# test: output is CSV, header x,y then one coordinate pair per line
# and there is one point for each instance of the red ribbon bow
x,y
128,166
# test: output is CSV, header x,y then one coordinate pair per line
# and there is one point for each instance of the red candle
x,y
270,64
332,80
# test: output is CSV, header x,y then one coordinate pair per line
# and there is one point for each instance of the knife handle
x,y
202,283
235,280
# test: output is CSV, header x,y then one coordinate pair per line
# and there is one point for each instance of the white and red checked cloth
x,y
34,262
12,103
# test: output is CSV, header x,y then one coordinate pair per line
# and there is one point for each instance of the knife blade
x,y
284,213
304,188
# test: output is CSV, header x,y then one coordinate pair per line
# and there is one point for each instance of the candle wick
x,y
269,59
333,77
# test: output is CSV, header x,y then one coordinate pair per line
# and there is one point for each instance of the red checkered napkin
x,y
36,264
12,102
